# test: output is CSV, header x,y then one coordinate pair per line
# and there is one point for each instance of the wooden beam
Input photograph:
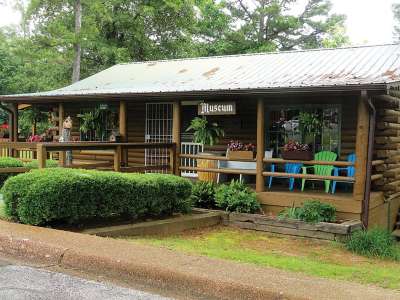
x,y
361,147
309,176
41,155
123,132
176,134
260,183
220,170
61,116
117,159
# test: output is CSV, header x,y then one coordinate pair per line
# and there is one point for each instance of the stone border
x,y
322,230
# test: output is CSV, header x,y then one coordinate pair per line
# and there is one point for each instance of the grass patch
x,y
315,258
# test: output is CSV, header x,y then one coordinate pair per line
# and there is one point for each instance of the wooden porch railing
x,y
42,150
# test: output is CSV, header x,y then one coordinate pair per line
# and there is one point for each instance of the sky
x,y
368,21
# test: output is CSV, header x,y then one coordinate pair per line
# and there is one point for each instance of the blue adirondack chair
x,y
289,168
349,170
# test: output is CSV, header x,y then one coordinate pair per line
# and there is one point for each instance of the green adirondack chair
x,y
322,170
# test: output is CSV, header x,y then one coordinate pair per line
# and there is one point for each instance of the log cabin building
x,y
255,98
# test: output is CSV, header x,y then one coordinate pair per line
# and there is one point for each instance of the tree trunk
x,y
76,68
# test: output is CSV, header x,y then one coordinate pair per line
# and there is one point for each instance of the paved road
x,y
26,283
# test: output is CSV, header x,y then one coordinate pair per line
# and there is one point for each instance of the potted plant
x,y
206,133
297,151
310,127
238,150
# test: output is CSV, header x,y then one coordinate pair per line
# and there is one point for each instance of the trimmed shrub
x,y
71,195
237,197
311,212
34,164
375,242
9,162
203,194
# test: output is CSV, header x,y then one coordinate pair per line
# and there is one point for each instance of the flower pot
x,y
209,164
297,155
238,155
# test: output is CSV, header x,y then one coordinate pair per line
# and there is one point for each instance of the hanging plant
x,y
205,133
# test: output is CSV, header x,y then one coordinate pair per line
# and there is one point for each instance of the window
x,y
97,123
284,124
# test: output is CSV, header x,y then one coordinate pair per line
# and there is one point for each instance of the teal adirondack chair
x,y
322,170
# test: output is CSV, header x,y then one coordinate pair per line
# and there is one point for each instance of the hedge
x,y
9,162
34,164
71,195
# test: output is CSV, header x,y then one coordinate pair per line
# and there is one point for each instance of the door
x,y
158,130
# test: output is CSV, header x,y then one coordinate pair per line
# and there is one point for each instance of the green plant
x,y
290,213
203,194
375,242
90,121
311,212
204,132
9,162
34,164
236,197
70,195
309,126
315,211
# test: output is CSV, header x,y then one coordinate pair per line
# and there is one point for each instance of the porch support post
x,y
123,130
14,128
117,159
61,116
361,147
260,186
176,134
41,155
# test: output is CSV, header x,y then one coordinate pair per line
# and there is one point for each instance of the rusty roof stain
x,y
306,69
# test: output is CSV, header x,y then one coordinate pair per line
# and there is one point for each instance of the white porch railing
x,y
193,149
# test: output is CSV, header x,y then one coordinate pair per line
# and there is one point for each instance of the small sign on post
x,y
216,108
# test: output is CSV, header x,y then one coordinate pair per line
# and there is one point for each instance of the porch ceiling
x,y
342,69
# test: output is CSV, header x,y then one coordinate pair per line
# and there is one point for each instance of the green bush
x,y
375,242
203,194
8,162
311,212
34,164
71,195
237,197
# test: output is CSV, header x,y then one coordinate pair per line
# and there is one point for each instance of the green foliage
x,y
34,164
70,195
315,211
8,162
376,242
38,54
237,197
203,194
205,132
30,117
311,212
290,213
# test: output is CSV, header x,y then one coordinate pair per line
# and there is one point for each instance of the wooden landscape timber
x,y
326,231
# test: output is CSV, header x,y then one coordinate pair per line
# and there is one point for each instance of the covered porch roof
x,y
341,69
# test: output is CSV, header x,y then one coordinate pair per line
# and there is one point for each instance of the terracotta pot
x,y
297,155
238,155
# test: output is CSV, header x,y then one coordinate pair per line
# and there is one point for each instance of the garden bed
x,y
178,223
322,230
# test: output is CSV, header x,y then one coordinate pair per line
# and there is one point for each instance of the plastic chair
x,y
350,171
292,168
321,170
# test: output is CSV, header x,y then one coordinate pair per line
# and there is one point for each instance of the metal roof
x,y
341,67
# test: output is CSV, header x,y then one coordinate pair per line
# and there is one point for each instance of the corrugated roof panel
x,y
364,65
